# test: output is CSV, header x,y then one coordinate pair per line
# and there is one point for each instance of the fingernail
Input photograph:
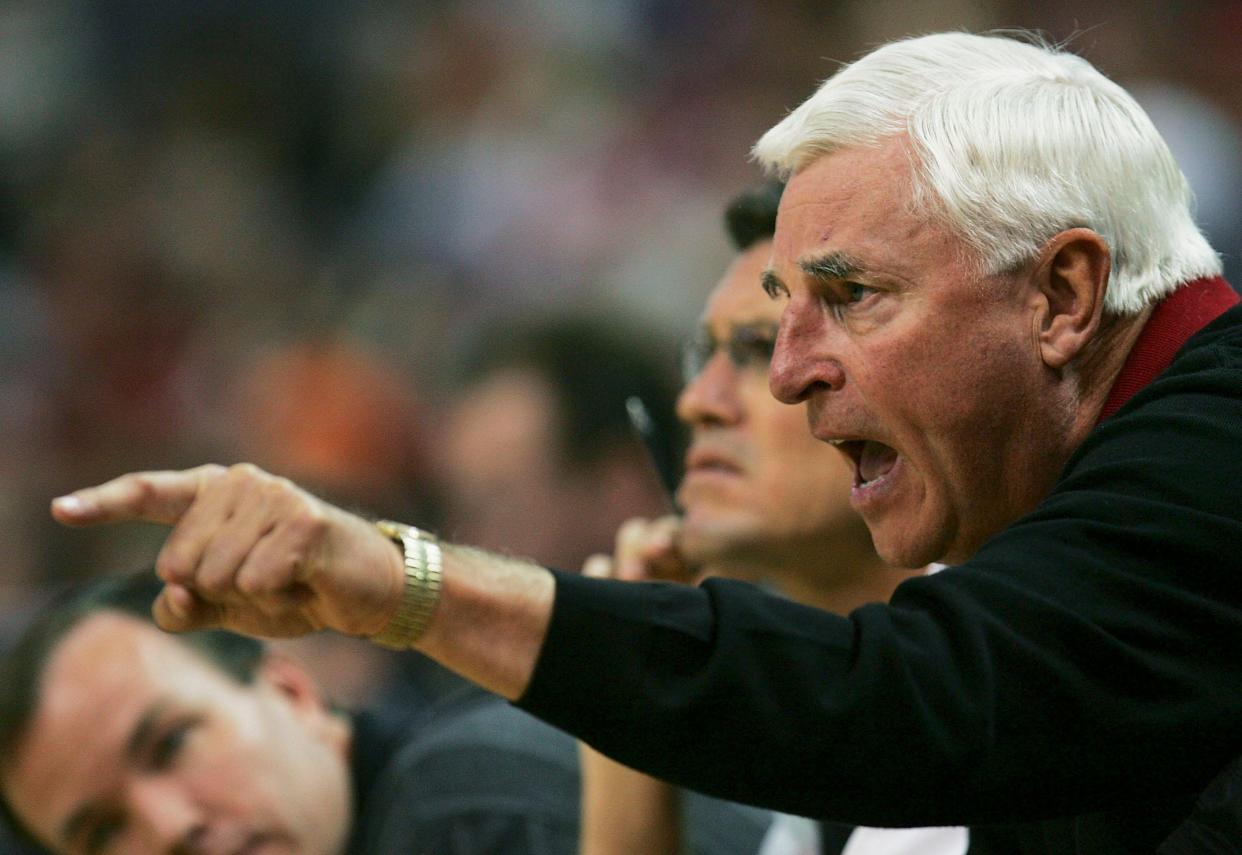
x,y
70,504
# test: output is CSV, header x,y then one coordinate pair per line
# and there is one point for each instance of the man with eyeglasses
x,y
761,500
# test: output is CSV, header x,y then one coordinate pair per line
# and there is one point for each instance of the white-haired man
x,y
996,304
761,500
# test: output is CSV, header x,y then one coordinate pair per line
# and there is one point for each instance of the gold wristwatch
x,y
421,589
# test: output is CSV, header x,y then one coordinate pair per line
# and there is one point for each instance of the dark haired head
x,y
23,662
592,367
751,216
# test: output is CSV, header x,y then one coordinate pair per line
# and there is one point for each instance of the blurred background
x,y
284,231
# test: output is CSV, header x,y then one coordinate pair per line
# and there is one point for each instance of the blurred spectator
x,y
541,424
328,415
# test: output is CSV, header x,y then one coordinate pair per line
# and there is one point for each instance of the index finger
x,y
159,497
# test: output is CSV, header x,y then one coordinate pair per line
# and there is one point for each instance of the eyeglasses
x,y
748,347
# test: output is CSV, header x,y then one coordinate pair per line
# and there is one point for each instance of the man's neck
x,y
837,574
1172,322
1099,369
874,585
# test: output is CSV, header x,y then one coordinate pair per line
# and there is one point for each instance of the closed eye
x,y
168,745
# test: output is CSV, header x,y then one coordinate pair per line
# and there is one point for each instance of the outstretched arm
x,y
255,553
1083,659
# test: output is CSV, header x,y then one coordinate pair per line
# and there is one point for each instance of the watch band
x,y
421,589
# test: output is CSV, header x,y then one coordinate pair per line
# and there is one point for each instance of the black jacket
x,y
1085,661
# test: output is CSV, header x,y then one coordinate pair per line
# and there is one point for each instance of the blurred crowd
x,y
284,232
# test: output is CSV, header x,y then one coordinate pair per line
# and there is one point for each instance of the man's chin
x,y
721,543
905,546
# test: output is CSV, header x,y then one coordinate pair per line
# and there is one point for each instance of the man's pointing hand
x,y
251,552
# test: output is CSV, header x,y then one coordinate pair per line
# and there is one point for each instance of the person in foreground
x,y
996,305
762,500
117,737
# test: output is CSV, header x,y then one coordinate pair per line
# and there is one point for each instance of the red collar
x,y
1174,320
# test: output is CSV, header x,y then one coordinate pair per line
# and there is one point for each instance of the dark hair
x,y
592,366
23,662
751,216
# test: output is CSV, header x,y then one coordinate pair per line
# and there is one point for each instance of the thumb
x,y
178,609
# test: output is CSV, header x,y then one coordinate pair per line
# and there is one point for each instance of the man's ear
x,y
1070,277
290,679
284,675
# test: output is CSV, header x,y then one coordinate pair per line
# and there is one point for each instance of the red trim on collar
x,y
1174,320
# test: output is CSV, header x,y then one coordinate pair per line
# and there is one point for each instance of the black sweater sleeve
x,y
1085,658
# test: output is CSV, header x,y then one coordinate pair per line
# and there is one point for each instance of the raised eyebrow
x,y
833,266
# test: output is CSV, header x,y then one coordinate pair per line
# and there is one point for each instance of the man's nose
x,y
165,817
710,397
803,357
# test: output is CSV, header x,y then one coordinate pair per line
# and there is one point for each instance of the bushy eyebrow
x,y
833,266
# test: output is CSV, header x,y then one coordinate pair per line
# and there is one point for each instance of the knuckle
x,y
312,519
282,488
288,572
253,584
170,565
243,472
143,487
213,582
209,475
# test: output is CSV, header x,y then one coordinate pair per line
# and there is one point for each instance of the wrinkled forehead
x,y
858,205
864,189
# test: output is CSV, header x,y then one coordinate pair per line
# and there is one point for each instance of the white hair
x,y
1010,143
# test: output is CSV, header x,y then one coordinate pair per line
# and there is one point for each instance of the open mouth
x,y
873,461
